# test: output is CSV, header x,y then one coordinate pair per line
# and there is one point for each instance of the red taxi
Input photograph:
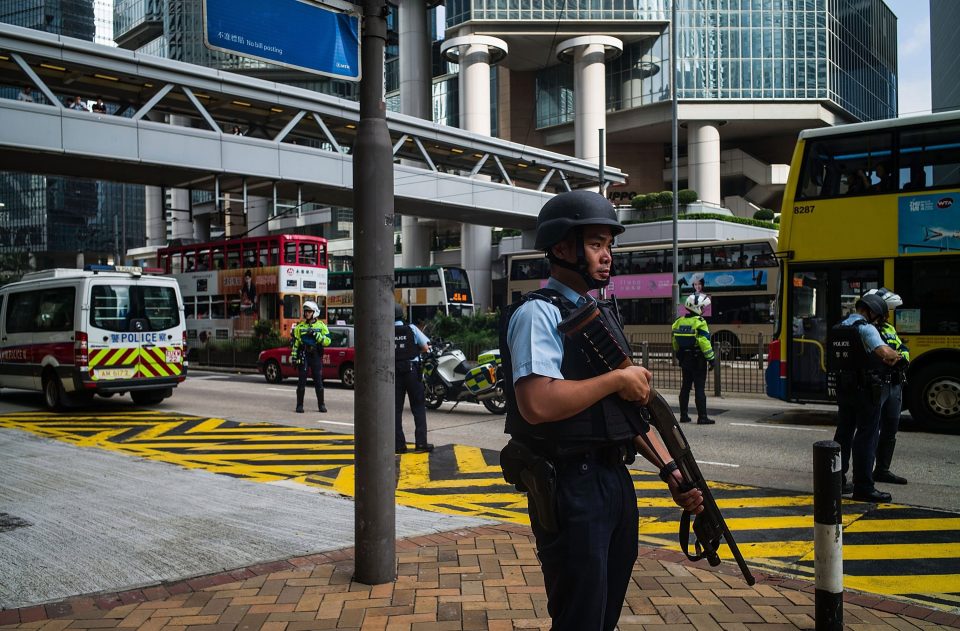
x,y
338,362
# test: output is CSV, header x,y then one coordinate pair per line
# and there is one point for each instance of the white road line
x,y
336,423
279,389
793,427
719,464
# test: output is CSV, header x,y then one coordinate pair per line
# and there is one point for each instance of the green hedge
x,y
729,218
764,214
472,334
664,198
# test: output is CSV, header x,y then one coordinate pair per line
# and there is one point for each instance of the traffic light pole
x,y
375,509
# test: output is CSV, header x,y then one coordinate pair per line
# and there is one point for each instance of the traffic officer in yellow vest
x,y
691,343
309,338
890,413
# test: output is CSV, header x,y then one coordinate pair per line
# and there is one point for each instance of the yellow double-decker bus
x,y
869,205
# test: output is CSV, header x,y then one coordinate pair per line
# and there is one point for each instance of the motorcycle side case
x,y
481,378
489,357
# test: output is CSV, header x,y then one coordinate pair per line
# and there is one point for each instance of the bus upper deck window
x,y
308,253
290,253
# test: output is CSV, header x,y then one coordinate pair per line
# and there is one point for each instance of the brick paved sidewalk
x,y
481,578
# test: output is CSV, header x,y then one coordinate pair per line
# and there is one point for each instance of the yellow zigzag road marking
x,y
471,460
741,524
907,584
890,551
240,451
907,525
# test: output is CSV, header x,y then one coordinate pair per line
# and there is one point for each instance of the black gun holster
x,y
534,475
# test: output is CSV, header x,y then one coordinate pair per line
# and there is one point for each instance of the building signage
x,y
294,33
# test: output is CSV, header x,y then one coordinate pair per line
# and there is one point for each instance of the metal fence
x,y
743,374
239,352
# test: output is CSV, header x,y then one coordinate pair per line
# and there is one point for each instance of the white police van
x,y
104,330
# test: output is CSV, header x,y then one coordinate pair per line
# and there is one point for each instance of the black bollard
x,y
827,536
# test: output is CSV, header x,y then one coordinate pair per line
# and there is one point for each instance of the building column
x,y
589,55
156,219
475,54
181,224
258,209
416,82
703,160
201,228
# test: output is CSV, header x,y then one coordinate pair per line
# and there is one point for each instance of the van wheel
x,y
53,393
148,397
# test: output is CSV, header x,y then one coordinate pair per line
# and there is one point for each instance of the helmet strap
x,y
580,267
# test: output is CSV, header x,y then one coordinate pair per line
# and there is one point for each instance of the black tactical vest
x,y
406,343
608,421
848,362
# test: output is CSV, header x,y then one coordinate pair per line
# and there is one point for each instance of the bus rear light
x,y
81,355
773,355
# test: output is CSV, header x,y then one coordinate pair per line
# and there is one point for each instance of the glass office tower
x,y
794,63
944,64
46,221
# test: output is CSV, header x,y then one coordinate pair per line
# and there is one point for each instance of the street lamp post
x,y
674,141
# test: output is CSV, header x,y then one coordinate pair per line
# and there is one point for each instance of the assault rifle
x,y
586,327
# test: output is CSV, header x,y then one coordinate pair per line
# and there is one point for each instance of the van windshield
x,y
125,308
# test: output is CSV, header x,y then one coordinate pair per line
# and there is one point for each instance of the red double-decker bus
x,y
228,285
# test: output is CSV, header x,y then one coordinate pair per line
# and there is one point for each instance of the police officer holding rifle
x,y
572,434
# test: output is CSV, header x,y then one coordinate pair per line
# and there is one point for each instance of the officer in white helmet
x,y
691,344
310,336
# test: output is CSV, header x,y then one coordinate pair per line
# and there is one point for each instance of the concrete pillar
x,y
234,220
703,160
156,221
258,210
475,54
589,55
201,227
416,80
181,224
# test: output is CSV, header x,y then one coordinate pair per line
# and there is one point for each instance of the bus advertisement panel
x,y
740,276
870,205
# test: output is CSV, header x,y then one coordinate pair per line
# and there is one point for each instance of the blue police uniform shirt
x,y
869,335
418,337
534,326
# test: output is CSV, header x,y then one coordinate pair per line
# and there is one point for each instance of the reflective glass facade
x,y
842,51
46,221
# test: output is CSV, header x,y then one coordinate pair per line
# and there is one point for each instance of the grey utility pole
x,y
674,141
375,512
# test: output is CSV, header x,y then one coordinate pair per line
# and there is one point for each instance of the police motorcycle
x,y
448,376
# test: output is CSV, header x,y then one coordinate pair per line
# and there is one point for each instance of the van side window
x,y
41,311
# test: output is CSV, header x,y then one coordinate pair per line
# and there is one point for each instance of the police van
x,y
106,330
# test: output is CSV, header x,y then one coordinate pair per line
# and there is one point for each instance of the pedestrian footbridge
x,y
171,125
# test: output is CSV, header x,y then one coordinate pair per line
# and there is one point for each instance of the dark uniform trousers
x,y
693,370
408,382
314,361
587,564
859,410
